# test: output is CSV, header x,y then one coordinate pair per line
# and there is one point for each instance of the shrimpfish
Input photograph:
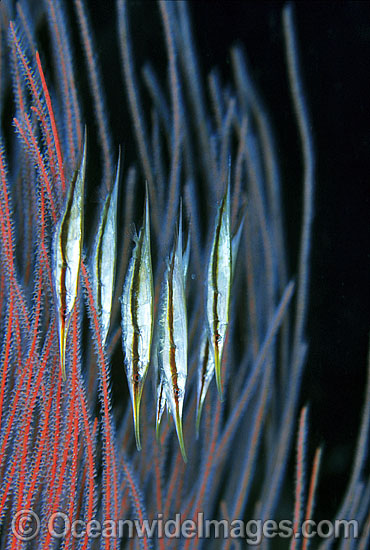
x,y
172,340
218,284
104,257
67,249
206,367
137,317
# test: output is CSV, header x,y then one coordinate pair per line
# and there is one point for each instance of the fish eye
x,y
177,392
136,377
218,337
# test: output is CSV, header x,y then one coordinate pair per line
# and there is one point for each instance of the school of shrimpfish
x,y
164,343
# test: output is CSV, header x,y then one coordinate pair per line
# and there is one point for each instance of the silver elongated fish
x,y
161,395
219,284
172,348
206,368
67,249
104,257
137,317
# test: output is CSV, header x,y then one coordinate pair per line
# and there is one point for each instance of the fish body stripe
x,y
137,312
134,305
215,262
100,255
204,368
219,283
172,355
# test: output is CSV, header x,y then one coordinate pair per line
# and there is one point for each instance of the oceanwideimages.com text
x,y
27,525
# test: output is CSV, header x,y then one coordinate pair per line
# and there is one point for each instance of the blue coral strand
x,y
198,296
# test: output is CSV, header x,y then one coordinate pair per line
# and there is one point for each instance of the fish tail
x,y
218,372
180,435
136,413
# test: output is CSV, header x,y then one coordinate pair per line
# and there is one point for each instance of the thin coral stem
x,y
36,472
6,365
26,27
53,124
69,94
158,481
56,435
89,437
74,426
5,213
302,115
33,147
98,94
110,472
251,454
26,427
312,493
168,23
300,478
209,464
25,373
141,133
245,395
188,54
57,491
35,93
